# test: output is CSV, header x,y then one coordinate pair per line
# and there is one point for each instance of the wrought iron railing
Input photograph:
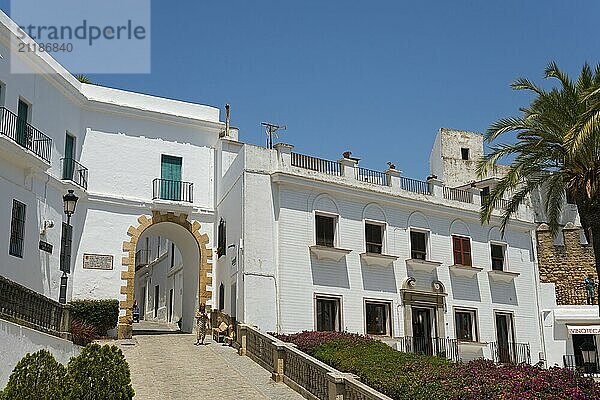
x,y
458,195
579,363
415,186
439,347
577,295
142,257
167,189
316,164
371,176
73,171
24,134
29,308
510,353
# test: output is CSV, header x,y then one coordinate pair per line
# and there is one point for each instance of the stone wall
x,y
565,265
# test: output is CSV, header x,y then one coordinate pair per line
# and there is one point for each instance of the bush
x,y
36,376
82,332
101,314
99,373
404,376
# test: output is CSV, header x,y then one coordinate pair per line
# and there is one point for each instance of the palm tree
x,y
557,152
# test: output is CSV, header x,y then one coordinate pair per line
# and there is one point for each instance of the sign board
x,y
45,246
584,329
97,261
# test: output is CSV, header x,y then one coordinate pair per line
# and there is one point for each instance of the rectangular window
x,y
17,229
378,318
464,152
328,314
325,230
221,239
418,245
497,257
466,325
374,238
462,250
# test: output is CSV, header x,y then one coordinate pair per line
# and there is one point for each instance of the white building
x,y
301,243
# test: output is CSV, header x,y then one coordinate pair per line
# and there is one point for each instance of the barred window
x,y
17,229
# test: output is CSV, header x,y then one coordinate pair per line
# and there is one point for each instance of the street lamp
x,y
69,202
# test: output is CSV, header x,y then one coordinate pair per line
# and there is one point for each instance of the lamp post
x,y
69,203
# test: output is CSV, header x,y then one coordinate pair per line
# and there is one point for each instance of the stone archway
x,y
124,329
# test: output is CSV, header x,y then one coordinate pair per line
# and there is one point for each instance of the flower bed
x,y
411,376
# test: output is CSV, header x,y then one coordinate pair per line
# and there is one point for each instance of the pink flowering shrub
x,y
404,376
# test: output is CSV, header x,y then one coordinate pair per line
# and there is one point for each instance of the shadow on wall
x,y
464,288
330,273
379,279
504,292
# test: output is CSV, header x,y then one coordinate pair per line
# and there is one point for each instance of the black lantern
x,y
588,353
70,201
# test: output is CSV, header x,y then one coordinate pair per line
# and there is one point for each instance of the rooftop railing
x,y
25,135
371,176
316,164
415,186
458,195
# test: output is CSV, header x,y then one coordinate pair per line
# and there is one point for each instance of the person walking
x,y
202,324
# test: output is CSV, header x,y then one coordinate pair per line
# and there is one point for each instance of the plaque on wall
x,y
97,261
45,246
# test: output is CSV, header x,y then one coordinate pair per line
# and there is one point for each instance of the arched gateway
x,y
193,243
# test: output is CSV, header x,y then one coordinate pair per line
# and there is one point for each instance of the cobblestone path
x,y
169,366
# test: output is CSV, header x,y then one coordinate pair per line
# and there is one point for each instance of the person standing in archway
x,y
202,324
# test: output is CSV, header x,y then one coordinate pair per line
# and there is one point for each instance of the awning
x,y
584,329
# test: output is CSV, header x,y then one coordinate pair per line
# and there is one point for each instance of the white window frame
x,y
474,319
389,323
327,296
383,225
427,233
504,246
336,224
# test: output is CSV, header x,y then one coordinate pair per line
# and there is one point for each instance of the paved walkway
x,y
169,366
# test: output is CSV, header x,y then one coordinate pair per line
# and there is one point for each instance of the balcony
x,y
25,135
510,353
75,172
316,164
577,362
141,258
458,195
439,347
166,189
576,295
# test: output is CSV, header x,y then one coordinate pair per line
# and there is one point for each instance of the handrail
x,y
24,134
168,189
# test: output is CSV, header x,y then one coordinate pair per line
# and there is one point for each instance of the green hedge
x,y
97,373
103,315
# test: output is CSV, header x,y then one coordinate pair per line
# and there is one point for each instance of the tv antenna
x,y
271,130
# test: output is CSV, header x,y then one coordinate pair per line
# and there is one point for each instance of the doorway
x,y
22,117
170,174
143,303
589,361
422,330
505,337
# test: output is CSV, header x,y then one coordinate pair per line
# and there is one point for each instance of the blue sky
x,y
377,78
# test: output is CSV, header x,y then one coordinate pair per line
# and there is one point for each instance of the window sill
x,y
328,253
382,260
465,271
502,276
422,265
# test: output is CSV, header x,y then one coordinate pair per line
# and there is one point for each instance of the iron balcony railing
x,y
577,295
415,186
439,347
142,258
510,353
371,176
167,189
24,134
578,363
75,172
316,164
458,195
